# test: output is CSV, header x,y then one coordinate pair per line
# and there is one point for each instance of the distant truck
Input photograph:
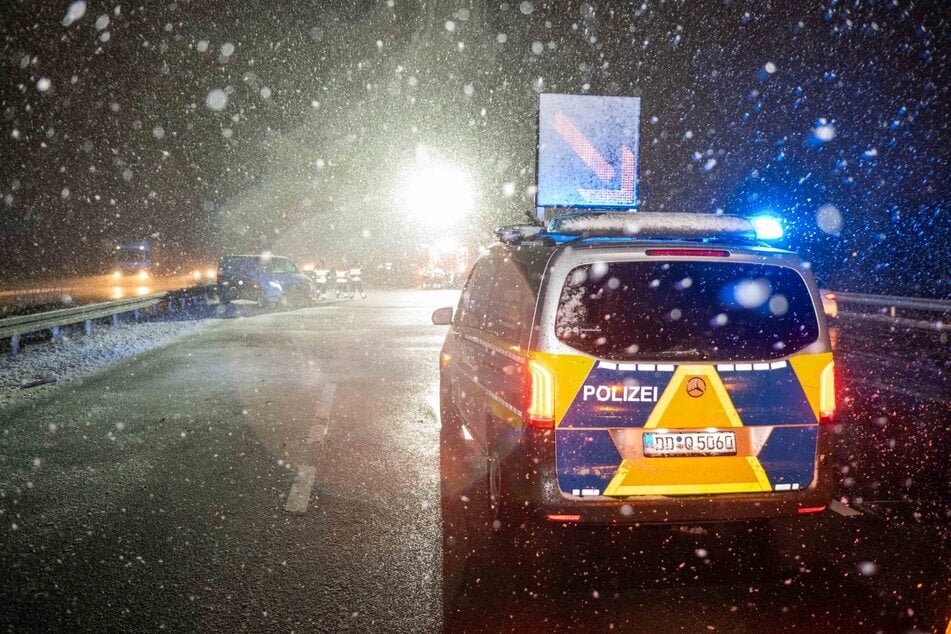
x,y
134,259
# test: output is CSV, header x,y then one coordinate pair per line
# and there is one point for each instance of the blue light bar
x,y
767,227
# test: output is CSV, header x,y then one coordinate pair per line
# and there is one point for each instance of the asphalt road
x,y
279,471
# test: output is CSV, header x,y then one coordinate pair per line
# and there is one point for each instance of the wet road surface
x,y
279,471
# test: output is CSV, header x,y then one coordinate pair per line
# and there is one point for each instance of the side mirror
x,y
442,316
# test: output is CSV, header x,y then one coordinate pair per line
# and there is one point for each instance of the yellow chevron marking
x,y
678,410
688,476
808,367
675,410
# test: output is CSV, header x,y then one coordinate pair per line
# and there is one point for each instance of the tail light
x,y
539,402
827,394
803,510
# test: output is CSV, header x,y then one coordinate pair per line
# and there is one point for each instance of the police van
x,y
634,368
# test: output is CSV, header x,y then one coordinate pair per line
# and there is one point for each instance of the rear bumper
x,y
685,509
535,486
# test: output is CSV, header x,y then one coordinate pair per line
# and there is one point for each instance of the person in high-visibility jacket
x,y
322,278
356,281
341,277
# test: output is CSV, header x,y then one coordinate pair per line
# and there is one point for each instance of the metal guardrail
x,y
889,305
14,327
894,302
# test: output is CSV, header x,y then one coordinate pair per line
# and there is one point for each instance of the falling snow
x,y
216,99
75,12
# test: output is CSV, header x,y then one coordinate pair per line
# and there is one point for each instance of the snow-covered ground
x,y
77,354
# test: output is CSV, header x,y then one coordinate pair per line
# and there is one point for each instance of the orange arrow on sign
x,y
623,195
602,169
582,147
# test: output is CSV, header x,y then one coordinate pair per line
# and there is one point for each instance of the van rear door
x,y
698,377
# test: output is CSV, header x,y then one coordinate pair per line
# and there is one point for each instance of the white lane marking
x,y
318,433
299,496
326,401
324,407
842,509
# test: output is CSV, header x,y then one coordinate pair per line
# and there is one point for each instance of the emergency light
x,y
767,227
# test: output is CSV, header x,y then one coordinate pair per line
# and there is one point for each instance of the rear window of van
x,y
686,311
236,265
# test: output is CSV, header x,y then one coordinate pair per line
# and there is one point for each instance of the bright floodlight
x,y
438,194
447,245
767,227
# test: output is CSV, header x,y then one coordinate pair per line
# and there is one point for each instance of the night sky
x,y
214,127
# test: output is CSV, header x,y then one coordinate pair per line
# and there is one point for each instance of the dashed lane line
x,y
325,406
318,433
299,496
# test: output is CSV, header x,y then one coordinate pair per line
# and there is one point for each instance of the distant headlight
x,y
196,275
143,275
116,275
211,274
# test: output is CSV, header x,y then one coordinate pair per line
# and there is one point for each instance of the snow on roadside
x,y
77,355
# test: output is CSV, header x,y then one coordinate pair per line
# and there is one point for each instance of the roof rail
x,y
612,225
652,225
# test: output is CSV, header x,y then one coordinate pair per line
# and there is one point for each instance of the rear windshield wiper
x,y
685,352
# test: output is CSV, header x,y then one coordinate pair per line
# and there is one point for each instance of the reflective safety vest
x,y
341,276
320,275
355,275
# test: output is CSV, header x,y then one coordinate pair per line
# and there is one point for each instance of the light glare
x,y
438,194
767,227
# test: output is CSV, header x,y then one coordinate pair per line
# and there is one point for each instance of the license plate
x,y
690,443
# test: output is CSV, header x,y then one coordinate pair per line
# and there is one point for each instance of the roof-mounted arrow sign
x,y
587,151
